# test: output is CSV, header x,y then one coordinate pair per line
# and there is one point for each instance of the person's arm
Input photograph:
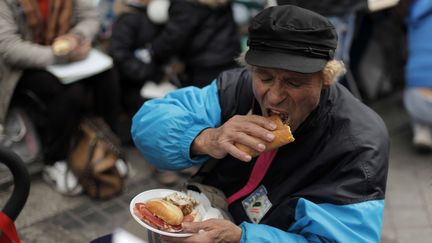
x,y
14,50
164,129
184,128
84,27
360,222
87,19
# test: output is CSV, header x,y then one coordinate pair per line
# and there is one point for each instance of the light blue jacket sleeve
x,y
164,129
360,222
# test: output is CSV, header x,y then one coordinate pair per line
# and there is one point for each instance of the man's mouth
x,y
284,117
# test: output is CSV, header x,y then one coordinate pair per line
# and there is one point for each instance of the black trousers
x,y
57,108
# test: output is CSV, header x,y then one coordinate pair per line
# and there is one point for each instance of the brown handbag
x,y
93,159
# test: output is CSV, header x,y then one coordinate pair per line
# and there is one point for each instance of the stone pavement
x,y
408,208
49,217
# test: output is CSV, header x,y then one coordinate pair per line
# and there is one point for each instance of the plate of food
x,y
163,210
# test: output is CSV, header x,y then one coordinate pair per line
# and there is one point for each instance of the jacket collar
x,y
319,116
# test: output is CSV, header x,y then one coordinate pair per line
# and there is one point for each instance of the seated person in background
x,y
132,32
418,73
35,34
327,185
140,77
203,35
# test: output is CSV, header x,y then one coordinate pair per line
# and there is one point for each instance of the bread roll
x,y
282,134
164,210
62,47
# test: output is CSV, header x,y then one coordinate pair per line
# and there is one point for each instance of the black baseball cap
x,y
291,38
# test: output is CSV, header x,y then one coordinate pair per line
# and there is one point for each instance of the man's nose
x,y
277,94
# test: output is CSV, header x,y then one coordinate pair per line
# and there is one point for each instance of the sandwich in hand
x,y
168,213
282,134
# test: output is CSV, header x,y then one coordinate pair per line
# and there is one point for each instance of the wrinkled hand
x,y
218,142
212,230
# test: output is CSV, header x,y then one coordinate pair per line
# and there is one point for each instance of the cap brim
x,y
285,61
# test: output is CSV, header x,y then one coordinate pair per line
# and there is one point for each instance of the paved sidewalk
x,y
408,208
49,217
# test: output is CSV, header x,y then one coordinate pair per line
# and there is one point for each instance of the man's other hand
x,y
212,230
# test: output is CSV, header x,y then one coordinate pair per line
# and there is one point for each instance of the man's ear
x,y
326,82
331,72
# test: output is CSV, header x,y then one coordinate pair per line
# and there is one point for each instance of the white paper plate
x,y
151,194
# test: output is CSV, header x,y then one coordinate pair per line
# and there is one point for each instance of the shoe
x,y
167,87
167,178
151,90
122,168
422,138
61,179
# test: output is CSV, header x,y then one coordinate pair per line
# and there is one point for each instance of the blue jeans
x,y
345,30
418,107
345,27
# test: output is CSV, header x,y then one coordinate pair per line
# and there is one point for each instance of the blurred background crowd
x,y
156,46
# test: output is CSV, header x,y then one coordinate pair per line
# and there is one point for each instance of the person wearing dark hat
x,y
326,186
345,15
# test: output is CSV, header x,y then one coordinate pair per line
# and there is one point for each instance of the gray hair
x,y
332,71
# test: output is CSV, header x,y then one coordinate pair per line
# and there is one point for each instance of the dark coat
x,y
201,36
133,31
340,155
329,7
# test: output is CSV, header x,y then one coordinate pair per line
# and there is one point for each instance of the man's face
x,y
292,95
